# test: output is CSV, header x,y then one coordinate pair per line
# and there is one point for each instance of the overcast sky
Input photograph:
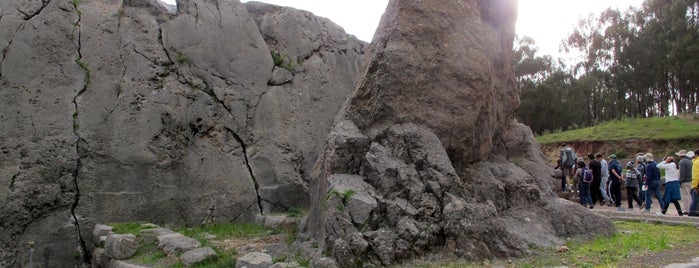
x,y
547,21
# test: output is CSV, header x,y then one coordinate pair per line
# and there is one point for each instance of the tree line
x,y
642,62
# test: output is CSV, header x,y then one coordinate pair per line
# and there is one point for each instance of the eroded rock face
x,y
436,161
447,69
128,111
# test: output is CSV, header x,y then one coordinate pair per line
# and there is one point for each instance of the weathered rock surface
x,y
175,244
128,111
120,246
426,156
254,260
319,64
198,255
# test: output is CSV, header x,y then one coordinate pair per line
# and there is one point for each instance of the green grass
x,y
130,227
657,128
226,230
148,253
632,239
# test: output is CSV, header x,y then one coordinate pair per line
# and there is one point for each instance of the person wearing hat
x,y
568,158
672,184
641,168
685,178
616,180
652,182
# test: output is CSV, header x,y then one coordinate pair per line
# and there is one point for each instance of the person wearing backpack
x,y
631,178
567,163
641,168
585,178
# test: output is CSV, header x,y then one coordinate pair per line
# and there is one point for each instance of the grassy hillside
x,y
663,128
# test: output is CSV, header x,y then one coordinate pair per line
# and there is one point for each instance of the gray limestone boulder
x,y
175,244
152,234
254,260
285,265
99,232
431,125
198,255
120,246
316,64
124,264
117,111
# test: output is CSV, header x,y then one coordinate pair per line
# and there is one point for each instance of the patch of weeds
x,y
148,253
290,233
130,227
83,64
282,60
280,258
228,230
76,125
297,212
181,57
301,260
347,195
344,196
225,259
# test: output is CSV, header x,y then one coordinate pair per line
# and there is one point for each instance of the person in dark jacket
x,y
596,168
616,180
652,182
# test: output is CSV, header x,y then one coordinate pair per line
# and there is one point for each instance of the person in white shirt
x,y
672,184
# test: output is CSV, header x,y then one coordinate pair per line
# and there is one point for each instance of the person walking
x,y
652,182
603,181
616,180
584,177
672,184
694,205
631,178
641,168
567,162
686,178
596,168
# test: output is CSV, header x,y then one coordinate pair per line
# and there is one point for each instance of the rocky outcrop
x,y
426,156
127,111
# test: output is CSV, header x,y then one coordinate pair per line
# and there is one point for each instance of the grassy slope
x,y
659,128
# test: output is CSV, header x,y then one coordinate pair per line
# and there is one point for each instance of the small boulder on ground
x,y
99,231
120,246
153,233
175,244
254,260
198,255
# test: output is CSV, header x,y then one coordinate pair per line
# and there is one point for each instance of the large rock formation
x,y
127,111
426,155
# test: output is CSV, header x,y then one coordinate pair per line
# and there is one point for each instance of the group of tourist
x,y
601,181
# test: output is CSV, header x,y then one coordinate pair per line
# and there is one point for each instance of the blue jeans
x,y
653,188
585,198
